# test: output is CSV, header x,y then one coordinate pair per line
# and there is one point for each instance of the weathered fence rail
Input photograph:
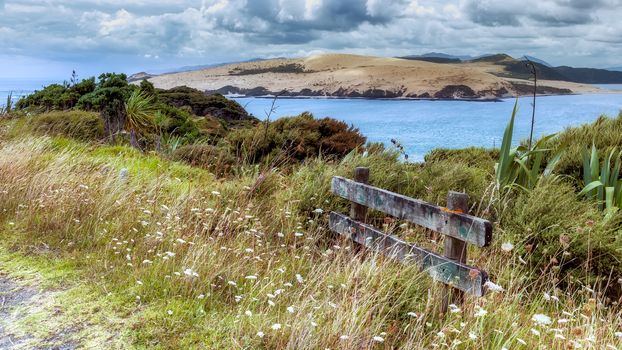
x,y
458,227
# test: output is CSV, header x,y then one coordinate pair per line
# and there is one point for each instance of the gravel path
x,y
18,302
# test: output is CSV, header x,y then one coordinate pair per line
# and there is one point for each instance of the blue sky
x,y
49,38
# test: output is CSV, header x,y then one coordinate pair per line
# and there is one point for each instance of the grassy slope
x,y
257,249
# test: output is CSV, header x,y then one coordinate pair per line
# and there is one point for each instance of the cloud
x,y
129,34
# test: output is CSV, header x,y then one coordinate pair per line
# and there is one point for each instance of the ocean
x,y
422,125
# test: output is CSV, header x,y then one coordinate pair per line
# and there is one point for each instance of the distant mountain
x,y
591,75
535,60
438,57
619,69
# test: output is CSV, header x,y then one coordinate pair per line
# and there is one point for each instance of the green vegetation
x,y
85,126
295,139
220,241
520,166
602,182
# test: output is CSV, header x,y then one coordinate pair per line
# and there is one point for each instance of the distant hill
x,y
342,75
619,69
535,60
590,75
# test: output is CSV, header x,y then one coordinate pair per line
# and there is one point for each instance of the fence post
x,y
455,249
359,212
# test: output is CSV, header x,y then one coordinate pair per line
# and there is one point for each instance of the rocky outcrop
x,y
449,92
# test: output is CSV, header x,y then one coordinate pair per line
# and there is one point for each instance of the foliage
x,y
470,156
202,104
85,126
57,96
520,167
7,108
605,133
215,159
177,122
139,116
295,139
602,183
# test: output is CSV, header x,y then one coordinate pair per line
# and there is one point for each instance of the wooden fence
x,y
458,227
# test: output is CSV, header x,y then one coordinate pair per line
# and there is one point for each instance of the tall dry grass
x,y
244,263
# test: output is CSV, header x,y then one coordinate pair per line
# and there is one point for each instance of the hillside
x,y
341,75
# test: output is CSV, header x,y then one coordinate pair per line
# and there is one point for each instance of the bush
x,y
605,133
296,139
215,159
57,97
202,104
472,156
85,126
550,226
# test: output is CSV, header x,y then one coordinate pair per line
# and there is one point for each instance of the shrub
x,y
85,126
605,133
472,156
202,104
296,139
215,159
550,226
57,96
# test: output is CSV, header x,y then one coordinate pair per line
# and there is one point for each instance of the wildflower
x,y
535,332
318,211
412,314
493,287
541,319
298,234
232,283
521,341
189,272
299,278
290,309
180,241
216,193
170,254
248,313
440,334
618,334
280,234
260,334
251,277
276,326
201,296
248,250
333,305
472,336
344,337
559,336
507,247
454,309
480,312
378,339
169,312
147,262
271,303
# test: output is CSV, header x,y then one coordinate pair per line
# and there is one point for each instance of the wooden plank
x,y
461,276
359,212
451,223
455,250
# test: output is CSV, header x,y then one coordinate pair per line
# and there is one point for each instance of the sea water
x,y
422,125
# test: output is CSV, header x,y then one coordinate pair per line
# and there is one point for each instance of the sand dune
x,y
366,76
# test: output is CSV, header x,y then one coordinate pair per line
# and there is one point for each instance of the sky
x,y
50,38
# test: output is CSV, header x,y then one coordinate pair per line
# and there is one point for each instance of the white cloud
x,y
122,32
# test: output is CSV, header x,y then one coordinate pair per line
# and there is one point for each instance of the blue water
x,y
20,87
421,126
609,86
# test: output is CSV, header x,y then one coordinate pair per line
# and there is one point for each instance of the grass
x,y
245,261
